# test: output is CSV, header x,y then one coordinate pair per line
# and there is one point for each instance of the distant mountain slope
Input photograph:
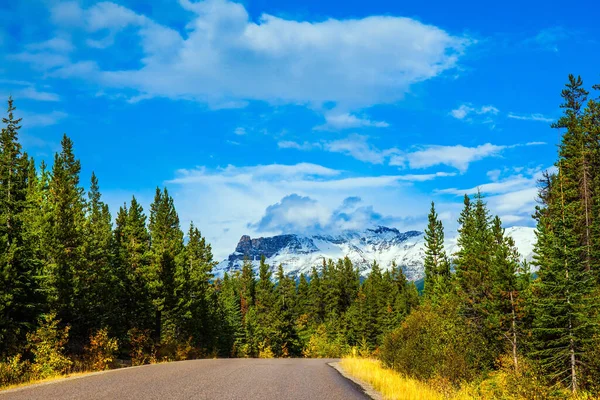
x,y
299,253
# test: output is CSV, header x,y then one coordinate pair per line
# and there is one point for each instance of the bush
x,y
436,343
142,346
14,371
47,345
265,351
321,346
101,352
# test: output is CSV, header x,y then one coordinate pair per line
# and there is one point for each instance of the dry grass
x,y
45,380
392,385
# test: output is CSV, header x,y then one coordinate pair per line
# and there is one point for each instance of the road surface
x,y
250,379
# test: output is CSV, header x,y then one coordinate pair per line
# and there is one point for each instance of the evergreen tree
x,y
564,306
508,291
66,263
98,280
166,246
18,267
199,293
437,266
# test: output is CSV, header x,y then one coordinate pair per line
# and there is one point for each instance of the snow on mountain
x,y
299,253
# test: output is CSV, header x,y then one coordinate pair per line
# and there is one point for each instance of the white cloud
x,y
289,144
494,174
33,94
43,60
458,156
465,111
65,13
31,120
513,198
531,117
354,62
346,120
239,131
516,182
56,44
224,201
357,146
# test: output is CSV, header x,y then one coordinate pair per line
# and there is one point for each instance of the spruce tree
x,y
167,245
66,263
98,280
18,267
437,266
565,301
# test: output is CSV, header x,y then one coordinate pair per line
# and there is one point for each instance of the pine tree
x,y
166,245
437,266
564,300
131,257
66,263
198,294
285,343
98,280
508,290
18,267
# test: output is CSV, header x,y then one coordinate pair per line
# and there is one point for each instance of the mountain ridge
x,y
299,253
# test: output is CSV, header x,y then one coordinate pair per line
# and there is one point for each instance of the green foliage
x,y
436,263
565,300
47,345
436,342
14,371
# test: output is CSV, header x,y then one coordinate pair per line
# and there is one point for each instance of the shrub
x,y
435,343
265,351
101,352
142,346
14,371
321,346
47,346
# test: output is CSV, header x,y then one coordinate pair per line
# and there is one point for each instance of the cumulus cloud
x,y
225,200
458,156
513,198
293,214
354,62
302,214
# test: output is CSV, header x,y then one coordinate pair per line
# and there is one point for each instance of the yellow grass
x,y
45,380
391,384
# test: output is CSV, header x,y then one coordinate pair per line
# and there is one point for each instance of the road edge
x,y
364,386
66,378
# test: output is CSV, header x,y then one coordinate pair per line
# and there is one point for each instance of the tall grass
x,y
392,385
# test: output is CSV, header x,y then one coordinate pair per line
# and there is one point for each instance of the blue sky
x,y
268,117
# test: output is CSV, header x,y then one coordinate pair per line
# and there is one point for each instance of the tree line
x,y
76,280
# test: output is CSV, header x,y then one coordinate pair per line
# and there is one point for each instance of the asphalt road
x,y
250,379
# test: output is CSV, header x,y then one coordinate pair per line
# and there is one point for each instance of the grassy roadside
x,y
392,385
49,379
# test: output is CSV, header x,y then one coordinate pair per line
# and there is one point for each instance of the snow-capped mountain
x,y
299,253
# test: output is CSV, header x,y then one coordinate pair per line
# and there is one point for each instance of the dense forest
x,y
82,289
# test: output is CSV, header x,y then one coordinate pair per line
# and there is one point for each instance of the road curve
x,y
250,379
